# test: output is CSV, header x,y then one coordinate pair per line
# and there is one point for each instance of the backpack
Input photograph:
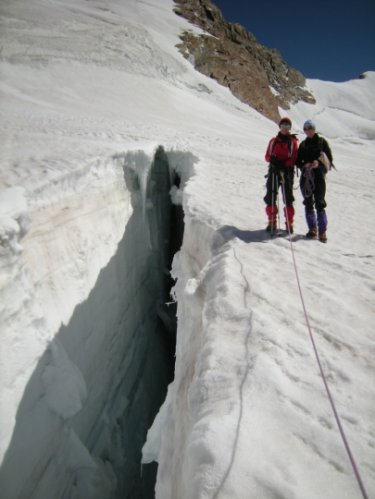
x,y
323,160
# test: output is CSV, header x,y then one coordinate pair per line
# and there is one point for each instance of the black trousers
x,y
313,188
274,180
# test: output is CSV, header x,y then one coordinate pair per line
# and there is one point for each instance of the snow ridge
x,y
242,384
14,218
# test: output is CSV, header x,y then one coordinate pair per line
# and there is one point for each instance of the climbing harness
x,y
328,391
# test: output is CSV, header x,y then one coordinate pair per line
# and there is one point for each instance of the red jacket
x,y
284,148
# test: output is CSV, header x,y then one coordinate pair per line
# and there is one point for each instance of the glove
x,y
311,166
276,162
273,169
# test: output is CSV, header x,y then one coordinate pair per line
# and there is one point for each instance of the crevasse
x,y
96,389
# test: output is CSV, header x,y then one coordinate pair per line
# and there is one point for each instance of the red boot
x,y
289,218
271,214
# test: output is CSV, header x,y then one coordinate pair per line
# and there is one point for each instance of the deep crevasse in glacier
x,y
98,385
175,440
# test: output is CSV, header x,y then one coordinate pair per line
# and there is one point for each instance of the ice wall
x,y
170,442
86,408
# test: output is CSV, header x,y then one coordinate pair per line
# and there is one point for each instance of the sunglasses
x,y
308,128
285,125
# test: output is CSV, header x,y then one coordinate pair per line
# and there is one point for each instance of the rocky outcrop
x,y
231,55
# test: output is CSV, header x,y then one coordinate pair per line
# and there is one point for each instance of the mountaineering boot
x,y
323,237
312,234
271,212
289,218
322,226
311,224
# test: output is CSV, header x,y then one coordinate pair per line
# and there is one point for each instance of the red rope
x,y
330,398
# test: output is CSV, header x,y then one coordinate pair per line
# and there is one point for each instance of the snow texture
x,y
14,218
89,91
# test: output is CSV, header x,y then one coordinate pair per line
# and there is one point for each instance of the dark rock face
x,y
234,58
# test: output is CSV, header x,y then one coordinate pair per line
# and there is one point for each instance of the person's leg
x,y
288,198
320,203
308,201
271,200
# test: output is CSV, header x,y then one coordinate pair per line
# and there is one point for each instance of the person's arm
x,y
327,150
294,155
300,156
267,157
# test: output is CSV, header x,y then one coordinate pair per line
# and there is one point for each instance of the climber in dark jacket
x,y
314,159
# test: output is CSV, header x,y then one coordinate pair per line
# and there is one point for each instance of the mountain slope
x,y
232,56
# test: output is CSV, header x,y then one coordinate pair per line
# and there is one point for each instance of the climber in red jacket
x,y
281,155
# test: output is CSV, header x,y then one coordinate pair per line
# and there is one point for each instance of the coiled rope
x,y
309,184
328,391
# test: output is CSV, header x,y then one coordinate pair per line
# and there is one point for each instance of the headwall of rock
x,y
231,55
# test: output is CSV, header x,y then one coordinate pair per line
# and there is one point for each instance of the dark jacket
x,y
310,149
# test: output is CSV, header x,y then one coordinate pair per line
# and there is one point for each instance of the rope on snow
x,y
328,391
